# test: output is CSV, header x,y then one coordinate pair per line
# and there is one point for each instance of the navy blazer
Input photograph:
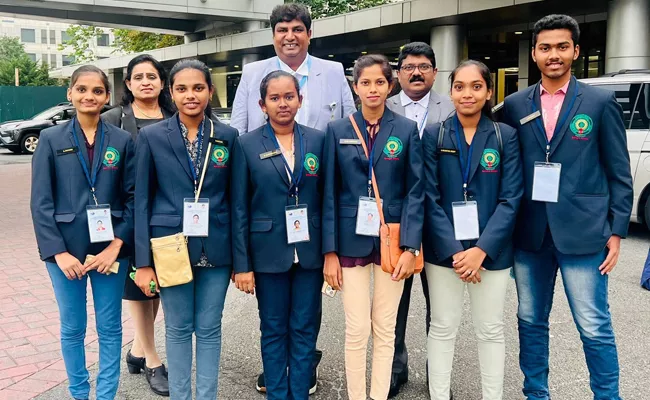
x,y
60,190
595,198
399,178
497,188
164,179
260,196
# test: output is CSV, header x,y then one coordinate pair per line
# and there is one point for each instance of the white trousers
x,y
446,292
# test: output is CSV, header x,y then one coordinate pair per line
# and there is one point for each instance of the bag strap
x,y
205,163
374,180
497,129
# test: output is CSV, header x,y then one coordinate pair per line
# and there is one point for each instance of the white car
x,y
632,89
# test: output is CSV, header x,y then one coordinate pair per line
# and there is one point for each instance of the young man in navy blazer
x,y
573,142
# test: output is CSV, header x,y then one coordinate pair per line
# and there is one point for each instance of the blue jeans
x,y
195,308
586,291
290,306
71,299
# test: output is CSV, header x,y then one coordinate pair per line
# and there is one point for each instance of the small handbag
x,y
389,234
171,257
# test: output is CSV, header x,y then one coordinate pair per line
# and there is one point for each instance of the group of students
x,y
292,206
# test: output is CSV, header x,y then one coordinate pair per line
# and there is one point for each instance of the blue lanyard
x,y
91,180
371,155
198,155
297,170
561,121
465,169
303,80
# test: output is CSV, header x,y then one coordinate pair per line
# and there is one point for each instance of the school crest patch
x,y
111,157
220,156
311,164
490,159
581,125
393,147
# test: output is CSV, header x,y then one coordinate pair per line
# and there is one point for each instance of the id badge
x,y
465,220
368,219
196,217
546,182
297,220
100,224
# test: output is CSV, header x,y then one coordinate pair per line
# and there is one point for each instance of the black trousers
x,y
401,358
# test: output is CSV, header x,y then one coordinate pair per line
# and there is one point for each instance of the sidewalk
x,y
30,353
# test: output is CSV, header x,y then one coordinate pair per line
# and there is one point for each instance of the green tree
x,y
328,8
130,41
12,56
82,42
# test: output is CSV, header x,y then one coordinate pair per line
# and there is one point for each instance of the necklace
x,y
148,116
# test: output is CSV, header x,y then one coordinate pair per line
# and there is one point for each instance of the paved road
x,y
7,157
630,306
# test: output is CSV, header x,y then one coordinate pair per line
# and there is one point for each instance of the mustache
x,y
416,78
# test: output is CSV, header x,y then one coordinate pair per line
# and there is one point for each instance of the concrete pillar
x,y
252,25
525,49
116,79
628,35
249,58
194,37
448,43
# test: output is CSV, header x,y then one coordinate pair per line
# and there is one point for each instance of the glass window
x,y
32,56
103,40
27,35
44,36
64,37
633,98
52,36
53,61
67,60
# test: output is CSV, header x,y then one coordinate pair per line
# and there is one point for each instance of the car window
x,y
633,98
69,113
47,114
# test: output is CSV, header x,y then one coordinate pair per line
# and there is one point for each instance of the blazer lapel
x,y
434,109
385,129
178,144
534,103
397,105
128,120
74,126
358,118
316,89
269,145
560,131
480,139
98,156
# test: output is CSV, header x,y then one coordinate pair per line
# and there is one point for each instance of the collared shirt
x,y
301,72
193,150
551,107
416,110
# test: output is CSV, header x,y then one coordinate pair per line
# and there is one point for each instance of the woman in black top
x,y
146,100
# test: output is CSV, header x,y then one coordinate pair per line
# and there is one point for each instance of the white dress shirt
x,y
302,71
417,111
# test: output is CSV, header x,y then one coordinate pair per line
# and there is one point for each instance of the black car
x,y
21,136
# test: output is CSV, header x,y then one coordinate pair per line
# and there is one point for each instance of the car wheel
x,y
29,142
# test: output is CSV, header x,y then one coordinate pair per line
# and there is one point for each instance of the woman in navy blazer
x,y
171,154
77,166
278,166
473,189
396,159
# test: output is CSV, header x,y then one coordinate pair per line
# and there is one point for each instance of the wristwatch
x,y
412,251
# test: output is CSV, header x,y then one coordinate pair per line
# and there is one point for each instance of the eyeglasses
x,y
424,68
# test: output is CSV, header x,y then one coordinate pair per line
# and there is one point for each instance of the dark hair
x,y
89,69
557,21
368,61
197,65
290,12
487,77
416,49
164,99
264,86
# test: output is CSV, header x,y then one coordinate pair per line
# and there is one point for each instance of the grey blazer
x,y
329,93
440,107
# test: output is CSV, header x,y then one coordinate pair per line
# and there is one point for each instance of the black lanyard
x,y
92,180
465,169
561,121
296,171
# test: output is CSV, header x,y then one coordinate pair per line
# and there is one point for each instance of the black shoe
x,y
157,379
318,355
260,386
135,364
396,383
